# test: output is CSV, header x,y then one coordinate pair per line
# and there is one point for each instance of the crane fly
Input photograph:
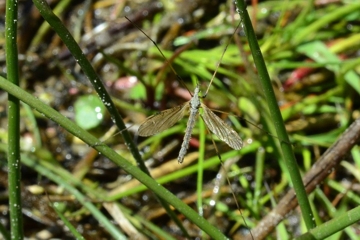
x,y
167,118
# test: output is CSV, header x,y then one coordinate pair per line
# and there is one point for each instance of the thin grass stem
x,y
265,82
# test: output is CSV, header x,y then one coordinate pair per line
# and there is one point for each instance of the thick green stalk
x,y
71,127
338,13
14,162
83,199
333,226
89,71
276,116
99,87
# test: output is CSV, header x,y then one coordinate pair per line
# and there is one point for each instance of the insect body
x,y
194,110
167,118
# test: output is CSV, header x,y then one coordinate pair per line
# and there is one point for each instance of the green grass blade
x,y
276,116
89,71
111,154
14,176
77,194
334,225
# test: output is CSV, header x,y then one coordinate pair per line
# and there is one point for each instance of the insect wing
x,y
162,120
218,127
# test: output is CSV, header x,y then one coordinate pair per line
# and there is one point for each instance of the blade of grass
x,y
114,231
339,188
211,162
68,224
112,155
152,230
99,87
200,170
334,225
89,71
319,52
33,125
98,194
15,205
45,28
298,107
324,166
4,233
311,30
259,178
276,116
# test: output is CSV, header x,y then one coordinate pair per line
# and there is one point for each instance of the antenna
x,y
158,48
219,62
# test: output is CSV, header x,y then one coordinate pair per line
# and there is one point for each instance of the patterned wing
x,y
218,127
162,120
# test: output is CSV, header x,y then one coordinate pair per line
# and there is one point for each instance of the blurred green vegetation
x,y
311,50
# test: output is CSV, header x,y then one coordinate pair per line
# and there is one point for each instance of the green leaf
x,y
138,92
89,111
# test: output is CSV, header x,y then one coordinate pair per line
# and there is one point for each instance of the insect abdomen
x,y
189,127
